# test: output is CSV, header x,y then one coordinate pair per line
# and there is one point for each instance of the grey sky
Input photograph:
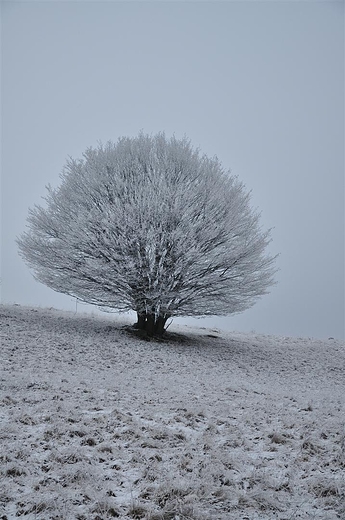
x,y
259,84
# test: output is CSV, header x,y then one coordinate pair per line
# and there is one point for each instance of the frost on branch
x,y
150,224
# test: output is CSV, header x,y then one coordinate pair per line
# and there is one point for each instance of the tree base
x,y
151,325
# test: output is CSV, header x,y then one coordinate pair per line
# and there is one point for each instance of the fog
x,y
259,84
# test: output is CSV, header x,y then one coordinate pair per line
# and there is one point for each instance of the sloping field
x,y
97,423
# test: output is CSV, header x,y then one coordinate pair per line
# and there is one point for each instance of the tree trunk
x,y
152,325
159,326
141,323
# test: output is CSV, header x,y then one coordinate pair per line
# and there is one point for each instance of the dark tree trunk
x,y
152,325
141,323
159,326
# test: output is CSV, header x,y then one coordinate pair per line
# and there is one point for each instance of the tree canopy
x,y
152,225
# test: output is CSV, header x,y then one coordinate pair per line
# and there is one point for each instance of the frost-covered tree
x,y
150,224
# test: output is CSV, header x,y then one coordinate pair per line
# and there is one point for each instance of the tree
x,y
150,224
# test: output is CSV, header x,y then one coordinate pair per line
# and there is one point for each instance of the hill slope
x,y
96,423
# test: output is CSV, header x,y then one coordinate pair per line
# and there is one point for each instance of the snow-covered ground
x,y
97,423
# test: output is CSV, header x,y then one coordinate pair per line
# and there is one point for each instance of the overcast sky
x,y
259,84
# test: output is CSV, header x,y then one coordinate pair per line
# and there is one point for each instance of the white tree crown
x,y
152,225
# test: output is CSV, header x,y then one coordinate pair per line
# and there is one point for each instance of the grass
x,y
198,429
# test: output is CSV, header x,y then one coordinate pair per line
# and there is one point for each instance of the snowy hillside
x,y
97,423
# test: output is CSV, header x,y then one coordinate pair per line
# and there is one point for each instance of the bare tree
x,y
150,224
